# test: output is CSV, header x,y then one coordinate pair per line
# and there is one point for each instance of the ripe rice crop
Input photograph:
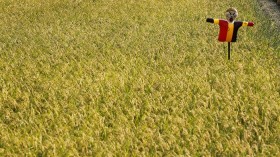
x,y
136,78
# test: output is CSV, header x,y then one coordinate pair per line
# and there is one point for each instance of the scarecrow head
x,y
231,14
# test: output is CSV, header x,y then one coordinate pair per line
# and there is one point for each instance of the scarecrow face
x,y
231,14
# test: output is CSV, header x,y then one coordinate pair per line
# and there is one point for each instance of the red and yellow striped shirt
x,y
228,31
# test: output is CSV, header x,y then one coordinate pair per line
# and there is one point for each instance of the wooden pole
x,y
228,50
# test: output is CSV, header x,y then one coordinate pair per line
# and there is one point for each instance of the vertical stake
x,y
228,50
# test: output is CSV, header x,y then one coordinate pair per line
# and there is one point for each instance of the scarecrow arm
x,y
211,20
248,24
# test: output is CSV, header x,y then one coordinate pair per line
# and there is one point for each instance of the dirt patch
x,y
272,9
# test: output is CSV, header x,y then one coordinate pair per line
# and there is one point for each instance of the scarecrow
x,y
229,27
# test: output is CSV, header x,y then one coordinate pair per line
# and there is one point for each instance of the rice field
x,y
136,78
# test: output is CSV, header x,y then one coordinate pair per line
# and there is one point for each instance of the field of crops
x,y
136,78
